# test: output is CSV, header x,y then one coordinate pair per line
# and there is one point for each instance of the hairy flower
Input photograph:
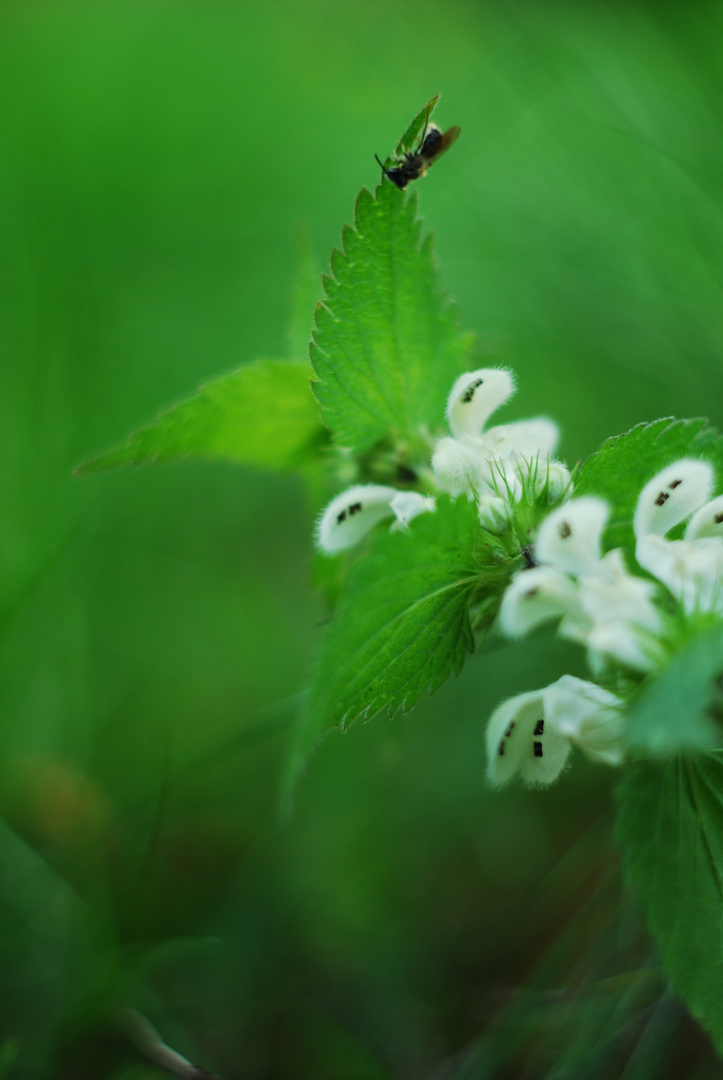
x,y
351,515
616,615
690,568
532,734
600,604
496,467
500,461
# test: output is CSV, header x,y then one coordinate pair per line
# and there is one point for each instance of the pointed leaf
x,y
402,626
262,414
417,126
386,347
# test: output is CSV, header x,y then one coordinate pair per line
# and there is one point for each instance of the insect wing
x,y
437,143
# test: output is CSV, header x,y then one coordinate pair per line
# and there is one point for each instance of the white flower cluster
x,y
616,615
495,467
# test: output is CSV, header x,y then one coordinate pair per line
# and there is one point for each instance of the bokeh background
x,y
156,163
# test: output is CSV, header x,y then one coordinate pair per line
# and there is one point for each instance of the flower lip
x,y
520,739
671,496
707,521
475,396
532,733
406,505
352,514
535,596
569,537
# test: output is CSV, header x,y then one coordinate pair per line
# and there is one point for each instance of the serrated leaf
x,y
417,126
262,414
624,463
386,346
402,627
671,826
677,709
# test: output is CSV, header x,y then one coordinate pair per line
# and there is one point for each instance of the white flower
x,y
497,466
475,396
501,460
533,733
351,515
671,496
407,505
691,568
602,606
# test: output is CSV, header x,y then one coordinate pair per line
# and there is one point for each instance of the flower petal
x,y
455,467
569,537
407,505
536,596
518,740
671,496
708,521
691,569
475,396
588,715
613,594
626,643
528,438
351,515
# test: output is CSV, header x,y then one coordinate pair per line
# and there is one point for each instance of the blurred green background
x,y
156,161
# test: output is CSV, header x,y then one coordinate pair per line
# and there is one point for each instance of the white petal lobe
x,y
475,396
671,496
351,515
407,505
536,596
708,521
569,537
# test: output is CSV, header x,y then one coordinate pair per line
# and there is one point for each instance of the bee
x,y
415,163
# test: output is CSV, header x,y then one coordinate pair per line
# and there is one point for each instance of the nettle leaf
x,y
386,347
623,464
671,826
678,709
262,414
402,626
417,126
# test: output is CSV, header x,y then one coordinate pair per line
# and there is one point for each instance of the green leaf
x,y
262,414
678,708
386,346
623,464
417,126
671,826
402,627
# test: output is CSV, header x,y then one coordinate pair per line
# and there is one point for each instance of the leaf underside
x,y
262,414
386,347
671,826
